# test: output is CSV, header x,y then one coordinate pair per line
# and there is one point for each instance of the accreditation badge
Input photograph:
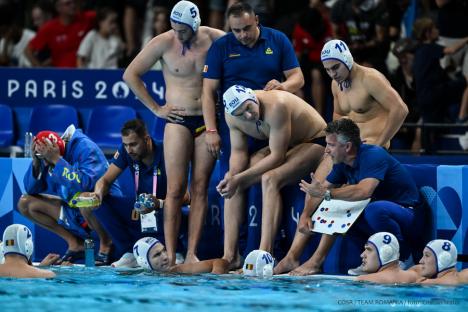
x,y
149,223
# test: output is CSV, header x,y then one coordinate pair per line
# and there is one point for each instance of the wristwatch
x,y
327,195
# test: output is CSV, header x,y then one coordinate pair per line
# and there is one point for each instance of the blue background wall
x,y
450,219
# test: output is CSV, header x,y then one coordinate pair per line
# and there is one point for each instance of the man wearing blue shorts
x,y
251,55
64,167
145,160
361,171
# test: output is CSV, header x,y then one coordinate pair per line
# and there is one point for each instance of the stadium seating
x,y
105,122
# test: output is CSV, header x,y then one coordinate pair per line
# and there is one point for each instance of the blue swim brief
x,y
195,124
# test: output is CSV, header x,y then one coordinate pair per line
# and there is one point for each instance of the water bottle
x,y
89,252
27,144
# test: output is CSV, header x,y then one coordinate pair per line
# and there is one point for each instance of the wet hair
x,y
134,125
421,27
239,8
346,130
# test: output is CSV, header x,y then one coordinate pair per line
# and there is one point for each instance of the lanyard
x,y
137,178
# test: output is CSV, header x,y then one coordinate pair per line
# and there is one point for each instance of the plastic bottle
x,y
89,252
27,144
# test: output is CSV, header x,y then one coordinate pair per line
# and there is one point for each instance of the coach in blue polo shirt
x,y
144,158
361,171
251,55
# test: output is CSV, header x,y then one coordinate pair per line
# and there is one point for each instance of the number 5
x,y
193,12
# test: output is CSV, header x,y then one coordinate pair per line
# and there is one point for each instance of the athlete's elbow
x,y
404,111
129,75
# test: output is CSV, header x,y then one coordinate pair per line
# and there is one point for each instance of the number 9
x,y
387,239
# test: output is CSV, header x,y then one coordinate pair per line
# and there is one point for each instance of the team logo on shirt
x,y
268,51
116,155
234,54
205,68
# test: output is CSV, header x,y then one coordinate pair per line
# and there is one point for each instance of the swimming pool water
x,y
104,289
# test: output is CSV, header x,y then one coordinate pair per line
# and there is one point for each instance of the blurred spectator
x,y
61,35
13,38
452,15
364,25
101,47
41,12
134,14
160,24
216,15
402,81
396,9
435,91
262,8
309,36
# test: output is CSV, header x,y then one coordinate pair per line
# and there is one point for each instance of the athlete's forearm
x,y
136,84
392,126
209,109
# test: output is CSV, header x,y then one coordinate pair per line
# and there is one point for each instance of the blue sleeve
x,y
288,59
214,62
337,176
374,165
81,176
119,159
33,185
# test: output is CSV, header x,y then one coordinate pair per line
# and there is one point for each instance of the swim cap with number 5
x,y
186,13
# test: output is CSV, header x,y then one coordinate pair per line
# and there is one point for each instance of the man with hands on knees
x,y
64,167
292,129
257,57
362,171
182,51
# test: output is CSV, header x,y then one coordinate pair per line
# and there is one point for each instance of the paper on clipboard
x,y
337,216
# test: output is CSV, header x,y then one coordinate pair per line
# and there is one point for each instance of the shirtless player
x,y
182,52
291,127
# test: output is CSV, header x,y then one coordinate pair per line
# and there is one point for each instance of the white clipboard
x,y
337,216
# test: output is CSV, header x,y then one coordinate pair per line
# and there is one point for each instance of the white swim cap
x,y
141,251
258,263
186,13
387,247
337,50
235,96
2,258
445,253
17,239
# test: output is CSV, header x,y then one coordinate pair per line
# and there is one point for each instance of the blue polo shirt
x,y
396,184
145,181
233,63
